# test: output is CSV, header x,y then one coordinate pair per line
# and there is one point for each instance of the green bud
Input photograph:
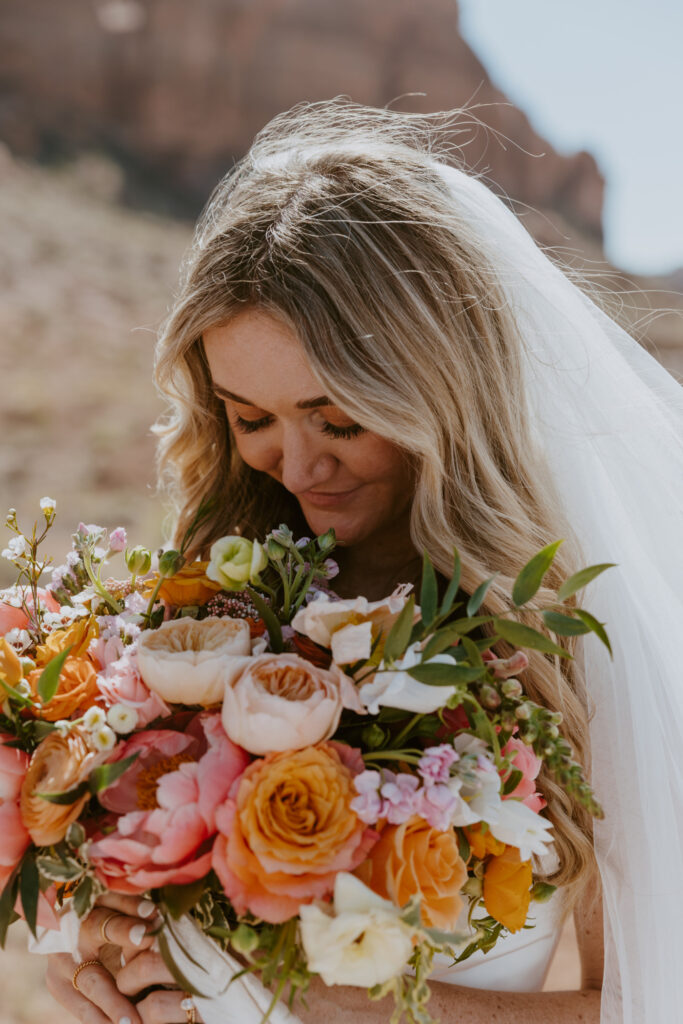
x,y
542,891
553,732
170,562
327,541
275,550
244,939
373,736
529,734
556,718
511,688
27,665
523,712
138,560
489,696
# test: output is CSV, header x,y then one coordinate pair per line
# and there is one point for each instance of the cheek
x,y
255,451
380,462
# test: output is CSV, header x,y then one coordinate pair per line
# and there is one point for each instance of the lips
x,y
327,499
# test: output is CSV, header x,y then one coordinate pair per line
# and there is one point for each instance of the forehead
x,y
260,358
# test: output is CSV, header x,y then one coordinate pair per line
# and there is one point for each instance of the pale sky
x,y
606,76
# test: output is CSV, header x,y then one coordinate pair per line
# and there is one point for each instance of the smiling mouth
x,y
325,499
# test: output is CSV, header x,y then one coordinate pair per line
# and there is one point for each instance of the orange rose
x,y
190,585
77,636
10,666
57,764
290,830
483,843
507,881
415,859
77,690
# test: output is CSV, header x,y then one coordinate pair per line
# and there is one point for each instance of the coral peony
x,y
12,613
414,859
58,763
167,800
13,836
77,690
287,830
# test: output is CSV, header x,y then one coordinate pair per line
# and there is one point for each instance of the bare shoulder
x,y
590,935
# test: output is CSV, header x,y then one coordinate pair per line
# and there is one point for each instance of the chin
x,y
348,530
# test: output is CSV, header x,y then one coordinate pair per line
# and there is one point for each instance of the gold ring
x,y
85,963
103,926
187,1004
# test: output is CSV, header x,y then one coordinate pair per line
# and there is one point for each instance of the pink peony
x,y
529,765
14,839
121,682
167,800
14,617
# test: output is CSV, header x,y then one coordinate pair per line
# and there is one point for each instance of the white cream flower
x,y
395,688
184,661
517,825
103,739
122,718
94,718
475,782
364,943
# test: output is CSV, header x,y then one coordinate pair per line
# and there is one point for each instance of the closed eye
x,y
329,429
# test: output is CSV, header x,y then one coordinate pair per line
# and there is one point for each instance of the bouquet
x,y
322,786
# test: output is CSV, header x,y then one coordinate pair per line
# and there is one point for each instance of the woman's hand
x,y
163,1006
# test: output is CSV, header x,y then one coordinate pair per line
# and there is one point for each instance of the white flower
x,y
365,943
517,825
63,726
395,688
48,506
94,719
352,643
23,688
236,561
103,739
349,627
17,547
122,718
475,782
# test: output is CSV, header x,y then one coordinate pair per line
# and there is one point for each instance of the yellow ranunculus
x,y
507,881
77,636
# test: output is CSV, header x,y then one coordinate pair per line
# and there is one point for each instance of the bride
x,y
366,338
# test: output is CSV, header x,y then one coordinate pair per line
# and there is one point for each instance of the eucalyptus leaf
x,y
581,578
7,902
105,774
531,576
29,890
48,683
564,625
65,796
595,626
429,592
440,674
399,635
270,618
178,899
477,598
454,583
519,635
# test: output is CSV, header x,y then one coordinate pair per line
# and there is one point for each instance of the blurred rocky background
x,y
117,117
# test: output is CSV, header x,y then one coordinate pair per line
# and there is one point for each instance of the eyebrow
x,y
308,403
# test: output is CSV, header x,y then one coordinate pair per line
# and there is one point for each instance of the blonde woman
x,y
366,338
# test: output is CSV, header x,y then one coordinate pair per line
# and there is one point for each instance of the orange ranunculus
x,y
414,859
10,666
77,690
507,881
290,830
190,585
58,763
483,843
77,636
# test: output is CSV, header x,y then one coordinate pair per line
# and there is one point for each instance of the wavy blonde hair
x,y
337,223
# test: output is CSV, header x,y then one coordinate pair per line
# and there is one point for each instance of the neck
x,y
376,565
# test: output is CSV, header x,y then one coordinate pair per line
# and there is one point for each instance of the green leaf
x,y
15,695
512,781
178,975
57,870
270,618
477,598
473,652
49,677
595,626
105,774
429,593
65,796
463,626
530,578
564,625
441,641
439,674
519,635
399,634
463,845
181,898
29,890
452,590
581,579
7,902
84,896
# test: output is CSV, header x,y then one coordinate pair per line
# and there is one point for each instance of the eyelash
x,y
339,433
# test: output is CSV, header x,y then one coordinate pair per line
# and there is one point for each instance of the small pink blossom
x,y
118,539
435,764
121,683
400,796
437,804
505,668
368,804
529,765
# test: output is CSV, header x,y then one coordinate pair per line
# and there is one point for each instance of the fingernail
x,y
137,934
123,960
146,908
125,1020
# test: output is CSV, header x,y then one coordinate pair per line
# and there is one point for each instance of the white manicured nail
x,y
125,1020
137,934
146,908
123,960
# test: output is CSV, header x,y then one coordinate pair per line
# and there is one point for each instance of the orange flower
x,y
77,636
57,764
507,881
190,585
10,666
290,830
416,859
77,690
483,843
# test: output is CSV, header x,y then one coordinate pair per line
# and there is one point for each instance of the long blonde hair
x,y
337,223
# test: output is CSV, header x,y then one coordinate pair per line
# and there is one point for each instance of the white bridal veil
x,y
609,419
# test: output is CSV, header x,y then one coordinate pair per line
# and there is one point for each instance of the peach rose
x,y
77,636
58,763
282,702
13,836
507,881
184,661
289,829
190,585
414,859
77,690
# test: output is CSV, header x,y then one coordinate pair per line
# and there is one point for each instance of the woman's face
x,y
284,425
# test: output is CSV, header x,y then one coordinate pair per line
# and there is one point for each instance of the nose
x,y
305,463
